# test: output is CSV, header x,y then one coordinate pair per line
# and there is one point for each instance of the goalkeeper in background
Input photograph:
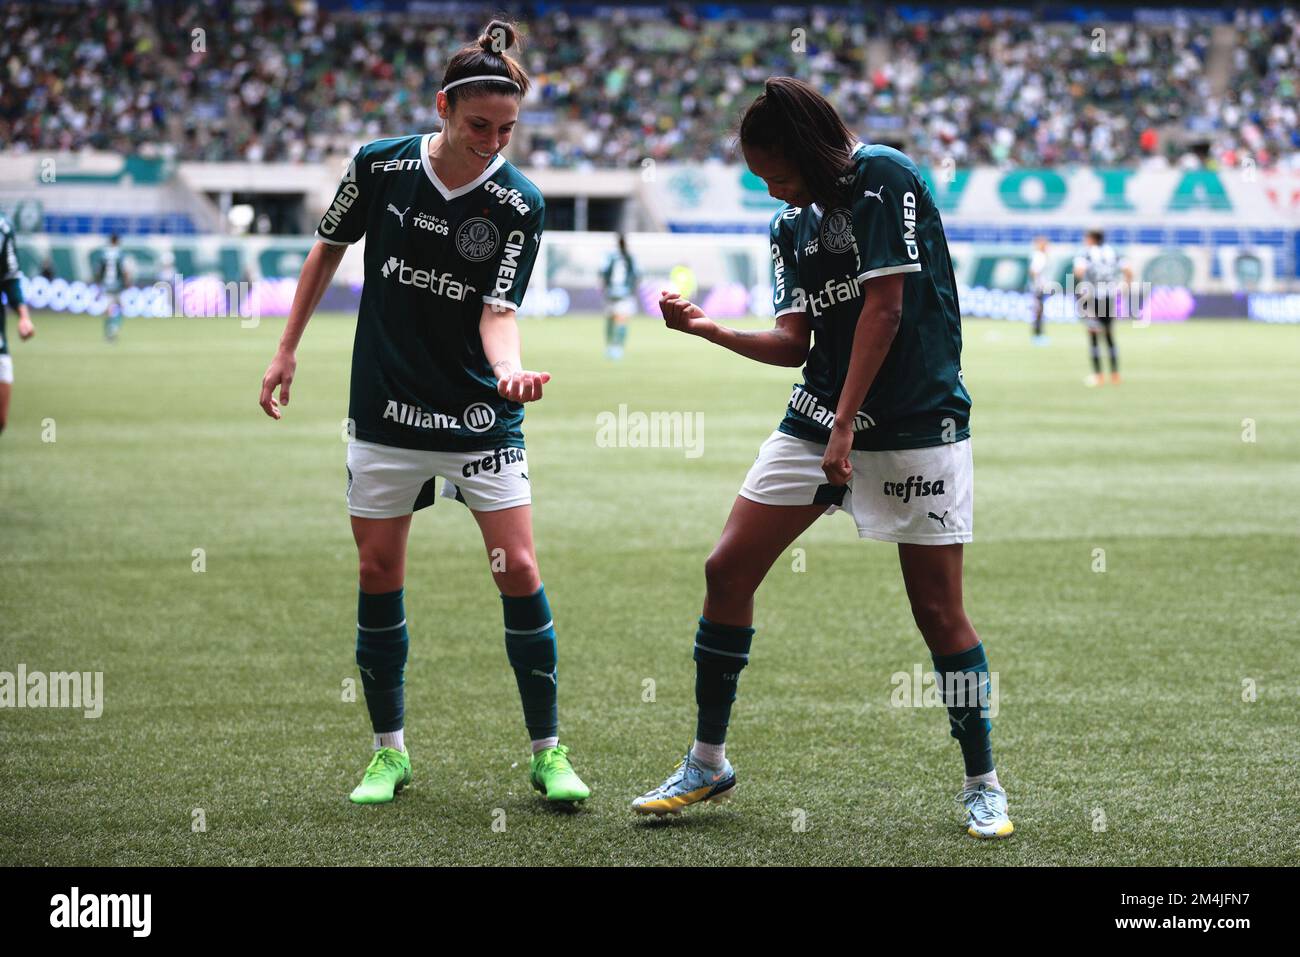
x,y
618,278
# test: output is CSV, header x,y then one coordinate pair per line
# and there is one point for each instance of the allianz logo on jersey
x,y
511,196
805,403
440,284
477,417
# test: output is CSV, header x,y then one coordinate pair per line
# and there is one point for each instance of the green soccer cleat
x,y
553,775
388,772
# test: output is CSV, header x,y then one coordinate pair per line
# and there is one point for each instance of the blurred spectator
x,y
260,80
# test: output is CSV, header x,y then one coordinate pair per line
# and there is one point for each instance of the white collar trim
x,y
473,184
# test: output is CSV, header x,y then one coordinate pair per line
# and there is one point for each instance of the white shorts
x,y
6,368
385,481
913,496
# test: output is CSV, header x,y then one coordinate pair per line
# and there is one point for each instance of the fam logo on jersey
x,y
837,231
511,196
915,487
433,224
440,284
477,239
479,417
395,165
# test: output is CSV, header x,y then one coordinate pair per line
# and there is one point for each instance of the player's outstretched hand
x,y
25,328
523,386
278,373
835,463
683,315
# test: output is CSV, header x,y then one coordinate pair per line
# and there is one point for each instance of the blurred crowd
x,y
256,80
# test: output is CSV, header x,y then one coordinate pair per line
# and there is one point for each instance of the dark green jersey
x,y
111,268
820,260
434,256
11,277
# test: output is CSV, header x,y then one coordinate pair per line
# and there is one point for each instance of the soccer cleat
x,y
1114,378
986,811
553,775
690,783
1093,380
388,772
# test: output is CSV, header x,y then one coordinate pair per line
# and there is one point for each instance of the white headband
x,y
474,79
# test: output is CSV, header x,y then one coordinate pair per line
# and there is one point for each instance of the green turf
x,y
1121,692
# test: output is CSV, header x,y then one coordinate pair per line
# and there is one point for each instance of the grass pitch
x,y
1127,733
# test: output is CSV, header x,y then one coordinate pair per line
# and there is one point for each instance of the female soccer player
x,y
878,427
452,232
11,285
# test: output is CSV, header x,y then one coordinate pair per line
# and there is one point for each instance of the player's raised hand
x,y
278,373
522,386
683,315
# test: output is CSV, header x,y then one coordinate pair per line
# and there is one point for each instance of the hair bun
x,y
497,37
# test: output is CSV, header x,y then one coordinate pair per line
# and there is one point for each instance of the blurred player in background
x,y
879,426
112,276
1098,268
1037,286
11,285
618,278
452,232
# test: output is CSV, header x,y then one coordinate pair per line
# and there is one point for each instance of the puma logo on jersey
x,y
546,674
939,518
401,216
878,194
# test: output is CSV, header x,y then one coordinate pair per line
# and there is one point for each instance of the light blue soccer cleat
x,y
986,811
690,783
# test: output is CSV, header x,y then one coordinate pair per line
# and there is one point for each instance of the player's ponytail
x,y
487,56
796,122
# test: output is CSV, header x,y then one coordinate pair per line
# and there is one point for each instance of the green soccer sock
x,y
382,645
964,683
530,646
721,651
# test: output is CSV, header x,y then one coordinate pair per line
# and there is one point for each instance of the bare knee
x,y
939,618
726,577
380,573
515,572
